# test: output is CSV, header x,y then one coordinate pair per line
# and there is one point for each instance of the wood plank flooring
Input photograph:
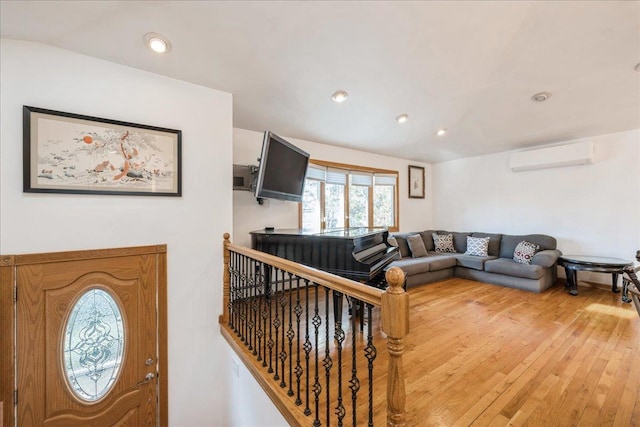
x,y
486,355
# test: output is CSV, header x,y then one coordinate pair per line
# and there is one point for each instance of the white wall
x,y
192,226
590,209
415,214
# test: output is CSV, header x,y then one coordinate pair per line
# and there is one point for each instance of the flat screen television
x,y
282,170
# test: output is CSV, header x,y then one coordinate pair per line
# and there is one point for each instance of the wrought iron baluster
x,y
245,300
242,299
254,303
260,310
270,300
317,388
298,370
327,362
283,354
232,280
276,322
236,285
265,312
290,335
370,354
338,336
307,346
354,382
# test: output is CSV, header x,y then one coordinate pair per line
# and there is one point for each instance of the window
x,y
340,196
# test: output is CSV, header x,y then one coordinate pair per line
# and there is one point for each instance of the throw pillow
x,y
477,246
443,242
524,252
393,242
417,246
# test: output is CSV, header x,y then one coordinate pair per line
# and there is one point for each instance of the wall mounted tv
x,y
282,170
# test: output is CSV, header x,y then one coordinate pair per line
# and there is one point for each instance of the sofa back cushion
x,y
403,246
494,242
428,240
509,242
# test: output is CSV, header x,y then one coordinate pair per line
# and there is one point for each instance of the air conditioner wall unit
x,y
578,153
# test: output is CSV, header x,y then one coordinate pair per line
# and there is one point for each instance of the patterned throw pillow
x,y
477,246
416,244
524,252
443,242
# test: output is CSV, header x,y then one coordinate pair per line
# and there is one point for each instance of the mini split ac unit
x,y
578,153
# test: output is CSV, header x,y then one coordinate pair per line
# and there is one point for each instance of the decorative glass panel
x,y
93,345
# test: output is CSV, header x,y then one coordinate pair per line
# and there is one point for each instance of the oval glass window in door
x,y
93,345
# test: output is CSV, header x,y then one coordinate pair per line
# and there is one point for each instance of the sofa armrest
x,y
546,258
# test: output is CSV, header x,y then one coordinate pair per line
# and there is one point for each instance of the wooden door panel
x,y
47,294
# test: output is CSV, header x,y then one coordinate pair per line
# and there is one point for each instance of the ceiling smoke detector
x,y
541,96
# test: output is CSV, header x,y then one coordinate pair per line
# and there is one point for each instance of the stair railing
x,y
286,323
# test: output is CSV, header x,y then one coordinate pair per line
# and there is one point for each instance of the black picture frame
x,y
416,182
77,154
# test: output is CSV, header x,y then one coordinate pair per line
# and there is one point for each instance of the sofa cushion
x,y
472,261
477,246
440,261
524,251
509,242
427,238
494,242
416,245
443,242
511,268
403,246
412,266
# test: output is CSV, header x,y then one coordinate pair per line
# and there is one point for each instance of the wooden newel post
x,y
395,323
224,318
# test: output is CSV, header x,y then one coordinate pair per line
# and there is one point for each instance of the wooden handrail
x,y
354,289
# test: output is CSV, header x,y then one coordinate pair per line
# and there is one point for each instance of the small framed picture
x,y
416,182
71,153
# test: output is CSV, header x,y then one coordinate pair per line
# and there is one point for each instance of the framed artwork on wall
x,y
416,182
72,153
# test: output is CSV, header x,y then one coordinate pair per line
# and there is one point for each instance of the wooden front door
x,y
87,338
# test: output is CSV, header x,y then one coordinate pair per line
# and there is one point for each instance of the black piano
x,y
359,254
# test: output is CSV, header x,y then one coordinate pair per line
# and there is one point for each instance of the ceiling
x,y
470,67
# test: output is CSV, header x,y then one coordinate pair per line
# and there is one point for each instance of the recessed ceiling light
x,y
402,118
441,132
637,67
541,96
340,96
157,43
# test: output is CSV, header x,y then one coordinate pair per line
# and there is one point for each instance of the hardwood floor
x,y
485,355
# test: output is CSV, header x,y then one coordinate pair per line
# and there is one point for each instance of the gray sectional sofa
x,y
497,267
